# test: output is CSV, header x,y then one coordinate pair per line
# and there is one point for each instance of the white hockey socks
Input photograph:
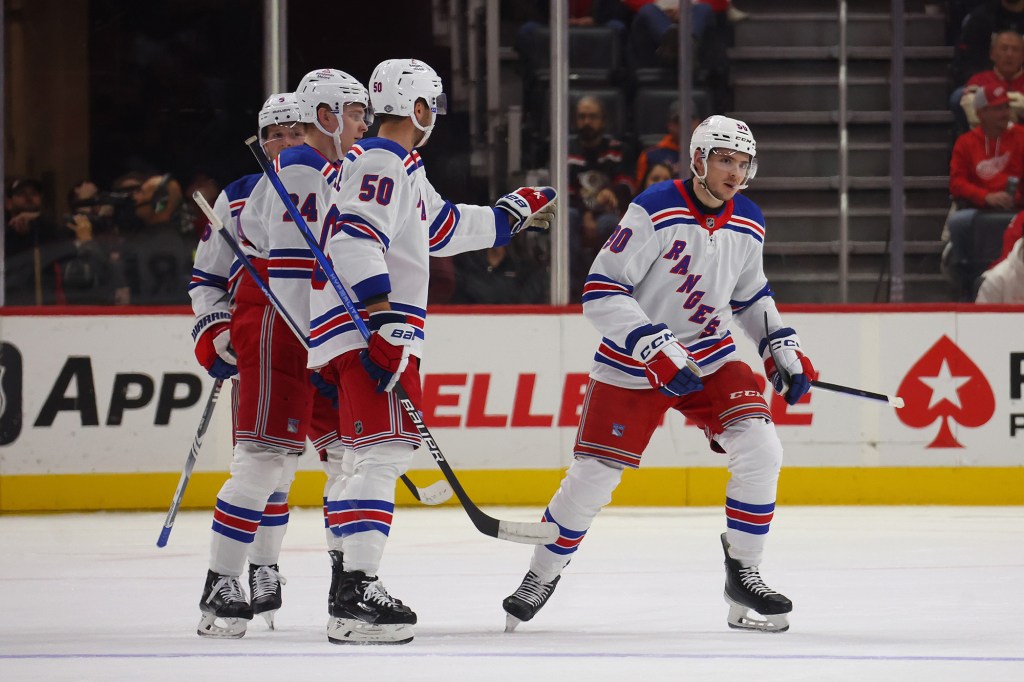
x,y
338,467
585,490
755,458
360,509
255,474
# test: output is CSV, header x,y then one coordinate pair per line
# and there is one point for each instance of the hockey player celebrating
x,y
682,266
277,405
391,220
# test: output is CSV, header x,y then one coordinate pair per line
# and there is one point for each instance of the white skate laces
x,y
751,579
374,592
532,590
229,589
265,582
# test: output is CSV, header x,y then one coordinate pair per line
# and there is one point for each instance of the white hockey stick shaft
x,y
190,462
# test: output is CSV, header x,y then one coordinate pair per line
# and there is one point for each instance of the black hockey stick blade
x,y
893,400
527,533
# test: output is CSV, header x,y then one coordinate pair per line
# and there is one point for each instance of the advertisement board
x,y
99,410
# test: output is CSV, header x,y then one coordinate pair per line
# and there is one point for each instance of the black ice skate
x,y
527,600
337,562
225,607
364,613
265,587
746,592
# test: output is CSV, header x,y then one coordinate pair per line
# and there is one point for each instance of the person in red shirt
x,y
1007,56
984,175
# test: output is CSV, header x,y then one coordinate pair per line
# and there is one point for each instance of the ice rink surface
x,y
880,593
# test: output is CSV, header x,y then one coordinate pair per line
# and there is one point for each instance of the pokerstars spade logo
x,y
945,384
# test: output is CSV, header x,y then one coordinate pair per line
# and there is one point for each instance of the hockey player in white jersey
x,y
214,277
684,264
277,404
390,222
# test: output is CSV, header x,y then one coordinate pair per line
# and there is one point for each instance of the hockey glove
x,y
387,352
529,207
667,364
324,387
785,365
214,351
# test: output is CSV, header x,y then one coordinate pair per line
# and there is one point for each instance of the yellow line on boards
x,y
644,487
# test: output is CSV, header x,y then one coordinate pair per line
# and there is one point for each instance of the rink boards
x,y
98,411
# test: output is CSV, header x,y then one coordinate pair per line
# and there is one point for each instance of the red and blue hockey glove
x,y
324,387
667,364
214,351
529,207
785,365
387,352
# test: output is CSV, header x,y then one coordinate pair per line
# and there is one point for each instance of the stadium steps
x,y
786,86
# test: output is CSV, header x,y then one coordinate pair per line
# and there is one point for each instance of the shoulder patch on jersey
x,y
302,155
242,187
658,197
377,143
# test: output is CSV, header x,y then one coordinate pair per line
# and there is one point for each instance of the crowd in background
x,y
133,242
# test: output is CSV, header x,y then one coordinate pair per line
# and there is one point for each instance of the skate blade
x,y
269,617
352,631
744,618
222,628
511,622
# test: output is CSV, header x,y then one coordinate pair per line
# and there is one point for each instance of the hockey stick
x,y
435,493
893,400
530,533
190,462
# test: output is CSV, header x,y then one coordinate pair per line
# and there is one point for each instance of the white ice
x,y
893,593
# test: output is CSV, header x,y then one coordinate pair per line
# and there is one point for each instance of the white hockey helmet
x,y
281,108
397,84
722,133
335,89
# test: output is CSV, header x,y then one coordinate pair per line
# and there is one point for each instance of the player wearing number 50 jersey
x,y
278,406
390,220
684,263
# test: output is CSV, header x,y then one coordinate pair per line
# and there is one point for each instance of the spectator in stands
x,y
30,238
499,275
666,151
600,188
87,275
659,172
97,249
1014,231
1007,56
157,255
1004,283
971,53
654,41
598,179
984,175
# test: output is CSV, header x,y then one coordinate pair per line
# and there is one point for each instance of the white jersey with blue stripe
x,y
311,180
216,269
390,221
667,262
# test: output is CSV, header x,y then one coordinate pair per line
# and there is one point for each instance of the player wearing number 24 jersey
x,y
684,264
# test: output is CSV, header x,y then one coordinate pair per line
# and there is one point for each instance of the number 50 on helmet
x,y
397,84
